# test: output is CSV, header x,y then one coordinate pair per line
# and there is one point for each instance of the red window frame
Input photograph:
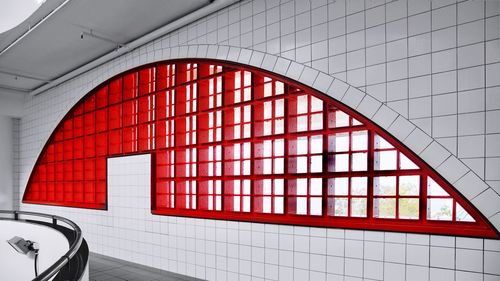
x,y
234,142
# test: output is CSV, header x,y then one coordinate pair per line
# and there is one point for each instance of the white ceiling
x,y
55,47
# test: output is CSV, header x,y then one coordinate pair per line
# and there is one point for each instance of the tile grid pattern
x,y
16,162
245,21
225,250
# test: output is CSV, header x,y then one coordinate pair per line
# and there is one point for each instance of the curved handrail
x,y
73,249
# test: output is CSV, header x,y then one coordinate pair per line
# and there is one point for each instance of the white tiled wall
x,y
435,63
226,250
15,143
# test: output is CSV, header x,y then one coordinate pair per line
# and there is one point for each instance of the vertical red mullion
x,y
423,198
397,197
324,156
370,176
286,96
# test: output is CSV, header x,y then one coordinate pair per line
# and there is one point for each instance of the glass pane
x,y
340,143
360,140
360,161
301,206
385,186
302,145
338,186
278,205
381,143
434,189
409,185
408,208
385,160
316,143
316,164
384,208
359,185
316,121
316,104
316,186
439,209
358,207
340,207
405,163
342,119
341,162
302,104
316,206
462,214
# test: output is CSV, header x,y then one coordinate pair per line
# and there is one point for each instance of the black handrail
x,y
73,249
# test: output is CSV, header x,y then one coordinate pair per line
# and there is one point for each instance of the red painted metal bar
x,y
239,143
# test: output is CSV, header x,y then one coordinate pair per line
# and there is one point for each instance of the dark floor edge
x,y
145,267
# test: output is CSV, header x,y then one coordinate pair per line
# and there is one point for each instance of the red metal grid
x,y
233,142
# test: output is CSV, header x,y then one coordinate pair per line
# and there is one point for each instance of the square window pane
x,y
385,160
316,143
302,164
266,204
278,186
302,145
384,208
409,185
340,163
278,205
340,207
316,209
301,207
302,104
317,121
301,187
439,209
316,164
279,108
338,186
408,208
338,142
279,166
279,147
316,187
359,186
360,140
279,126
384,186
360,161
301,123
358,207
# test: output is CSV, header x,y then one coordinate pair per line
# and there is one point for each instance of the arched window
x,y
233,142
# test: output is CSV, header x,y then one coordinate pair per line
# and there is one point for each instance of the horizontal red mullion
x,y
397,196
397,225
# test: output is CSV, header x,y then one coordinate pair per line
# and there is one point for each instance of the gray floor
x,y
103,268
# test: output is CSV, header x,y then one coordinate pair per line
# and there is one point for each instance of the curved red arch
x,y
234,142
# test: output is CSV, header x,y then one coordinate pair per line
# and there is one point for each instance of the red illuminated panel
x,y
232,142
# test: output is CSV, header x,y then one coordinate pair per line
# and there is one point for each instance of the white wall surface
x,y
15,266
6,163
434,64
